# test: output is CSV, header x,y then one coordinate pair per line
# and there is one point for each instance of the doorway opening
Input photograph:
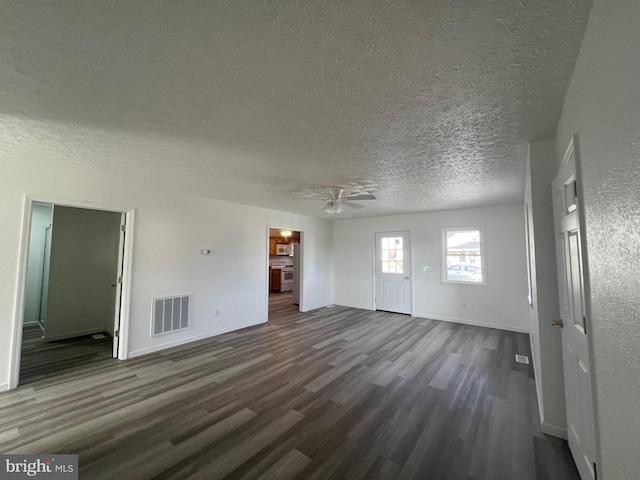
x,y
284,270
75,261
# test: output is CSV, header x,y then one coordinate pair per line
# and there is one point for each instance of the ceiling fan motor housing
x,y
335,192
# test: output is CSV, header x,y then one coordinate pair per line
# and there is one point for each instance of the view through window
x,y
463,256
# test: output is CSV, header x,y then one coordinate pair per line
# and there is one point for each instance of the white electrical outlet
x,y
217,313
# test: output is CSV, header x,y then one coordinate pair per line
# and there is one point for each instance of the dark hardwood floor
x,y
336,393
40,359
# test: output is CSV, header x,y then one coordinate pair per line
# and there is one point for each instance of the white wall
x,y
546,344
502,304
84,264
170,231
40,219
603,107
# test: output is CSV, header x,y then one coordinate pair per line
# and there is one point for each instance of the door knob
x,y
113,285
557,323
407,277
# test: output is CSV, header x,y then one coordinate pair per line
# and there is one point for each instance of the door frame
x,y
375,268
125,294
301,305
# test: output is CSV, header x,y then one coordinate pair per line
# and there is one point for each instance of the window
x,y
463,256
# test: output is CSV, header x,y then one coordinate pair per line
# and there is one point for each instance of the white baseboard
x,y
195,338
308,308
472,322
360,307
64,336
554,430
4,387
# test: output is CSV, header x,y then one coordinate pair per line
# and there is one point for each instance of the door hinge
x,y
584,322
123,228
595,471
119,279
116,333
575,189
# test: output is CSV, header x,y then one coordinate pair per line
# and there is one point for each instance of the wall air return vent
x,y
171,314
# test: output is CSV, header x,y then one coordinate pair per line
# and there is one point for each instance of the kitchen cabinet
x,y
275,280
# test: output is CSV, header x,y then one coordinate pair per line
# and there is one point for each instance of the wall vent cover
x,y
522,359
171,314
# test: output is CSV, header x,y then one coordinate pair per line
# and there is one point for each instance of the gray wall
x,y
40,219
84,264
603,107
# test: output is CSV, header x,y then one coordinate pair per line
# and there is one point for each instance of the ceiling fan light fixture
x,y
286,233
333,207
328,207
339,197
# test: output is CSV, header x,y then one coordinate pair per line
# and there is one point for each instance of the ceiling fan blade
x,y
353,205
360,197
323,199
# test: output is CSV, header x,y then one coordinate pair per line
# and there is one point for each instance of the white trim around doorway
x,y
301,305
28,201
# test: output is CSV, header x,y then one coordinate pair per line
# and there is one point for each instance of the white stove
x,y
286,274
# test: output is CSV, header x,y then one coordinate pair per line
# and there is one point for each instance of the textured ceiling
x,y
249,101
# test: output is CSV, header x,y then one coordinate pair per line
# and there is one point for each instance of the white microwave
x,y
284,249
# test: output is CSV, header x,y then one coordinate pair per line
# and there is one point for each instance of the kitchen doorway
x,y
74,288
284,270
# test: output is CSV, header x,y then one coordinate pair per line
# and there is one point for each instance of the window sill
x,y
468,284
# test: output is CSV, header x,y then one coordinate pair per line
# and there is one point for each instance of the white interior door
x,y
118,284
577,365
393,272
83,274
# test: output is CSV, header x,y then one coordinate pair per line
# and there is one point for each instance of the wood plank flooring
x,y
336,393
41,359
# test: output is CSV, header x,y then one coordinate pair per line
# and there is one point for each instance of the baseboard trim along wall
x,y
475,323
195,338
452,320
64,336
553,430
360,307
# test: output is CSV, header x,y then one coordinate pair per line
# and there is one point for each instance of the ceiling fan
x,y
339,197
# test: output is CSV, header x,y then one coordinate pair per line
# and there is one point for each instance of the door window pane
x,y
392,258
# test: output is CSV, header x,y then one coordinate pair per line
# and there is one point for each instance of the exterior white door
x,y
393,272
575,328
